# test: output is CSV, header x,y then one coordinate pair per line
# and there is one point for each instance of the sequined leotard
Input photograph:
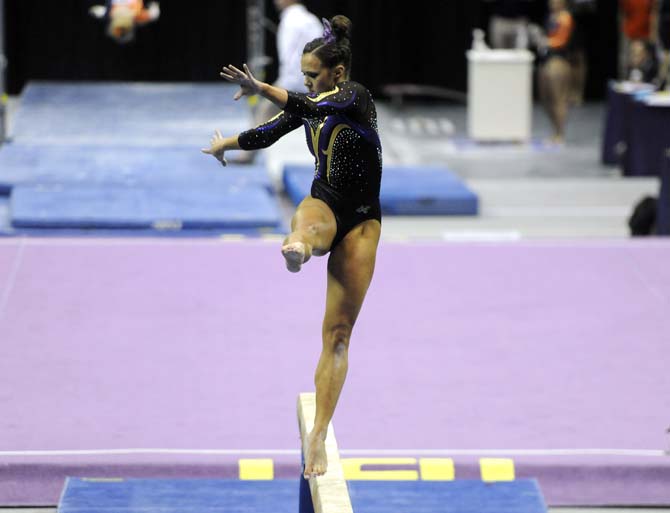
x,y
341,130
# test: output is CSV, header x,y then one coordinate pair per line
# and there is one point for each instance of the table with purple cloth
x,y
620,103
647,137
663,213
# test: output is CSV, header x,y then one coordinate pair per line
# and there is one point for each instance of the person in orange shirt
x,y
555,73
123,16
637,18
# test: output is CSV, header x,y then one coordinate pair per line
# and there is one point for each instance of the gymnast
x,y
122,16
342,215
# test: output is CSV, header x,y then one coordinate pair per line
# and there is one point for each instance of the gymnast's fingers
x,y
248,72
238,71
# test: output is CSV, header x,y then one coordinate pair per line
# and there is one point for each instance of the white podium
x,y
500,94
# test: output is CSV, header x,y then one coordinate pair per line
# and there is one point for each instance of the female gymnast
x,y
342,214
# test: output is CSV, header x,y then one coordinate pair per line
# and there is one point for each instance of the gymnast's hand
x,y
217,148
247,82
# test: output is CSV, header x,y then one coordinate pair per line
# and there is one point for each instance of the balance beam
x,y
329,492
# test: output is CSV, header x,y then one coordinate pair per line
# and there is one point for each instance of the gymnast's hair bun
x,y
341,28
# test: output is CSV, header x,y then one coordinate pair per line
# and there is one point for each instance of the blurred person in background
x,y
297,26
123,16
555,74
638,21
663,40
508,25
642,63
583,12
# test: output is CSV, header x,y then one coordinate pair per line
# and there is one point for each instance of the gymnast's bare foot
x,y
296,254
316,461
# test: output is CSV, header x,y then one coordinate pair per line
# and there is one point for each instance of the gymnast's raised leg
x,y
313,229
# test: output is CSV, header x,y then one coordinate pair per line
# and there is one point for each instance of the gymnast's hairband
x,y
328,35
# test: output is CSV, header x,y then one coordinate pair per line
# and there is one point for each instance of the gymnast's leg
x,y
350,268
313,229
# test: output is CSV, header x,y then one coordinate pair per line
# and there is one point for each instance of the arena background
x,y
420,42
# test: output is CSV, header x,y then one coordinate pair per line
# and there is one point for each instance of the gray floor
x,y
524,192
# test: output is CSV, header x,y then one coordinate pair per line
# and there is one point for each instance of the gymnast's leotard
x,y
341,130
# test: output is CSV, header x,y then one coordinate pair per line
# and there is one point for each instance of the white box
x,y
500,94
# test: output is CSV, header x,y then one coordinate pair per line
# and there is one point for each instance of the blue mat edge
x,y
144,224
295,179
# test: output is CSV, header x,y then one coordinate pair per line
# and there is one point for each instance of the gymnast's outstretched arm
x,y
256,138
347,97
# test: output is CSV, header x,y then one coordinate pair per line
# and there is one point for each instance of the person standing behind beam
x,y
555,73
663,22
508,26
297,26
342,213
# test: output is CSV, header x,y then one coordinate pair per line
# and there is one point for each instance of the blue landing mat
x,y
178,496
143,208
460,496
405,190
127,114
153,166
279,496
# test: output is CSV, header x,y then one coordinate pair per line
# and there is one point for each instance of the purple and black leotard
x,y
341,130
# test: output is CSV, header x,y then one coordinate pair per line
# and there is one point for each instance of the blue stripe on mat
x,y
405,190
28,164
143,208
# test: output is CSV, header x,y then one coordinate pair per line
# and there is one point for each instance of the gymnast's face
x,y
318,78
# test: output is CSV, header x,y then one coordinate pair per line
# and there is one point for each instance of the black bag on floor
x,y
643,220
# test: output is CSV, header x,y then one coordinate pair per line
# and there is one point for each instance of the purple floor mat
x,y
552,354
